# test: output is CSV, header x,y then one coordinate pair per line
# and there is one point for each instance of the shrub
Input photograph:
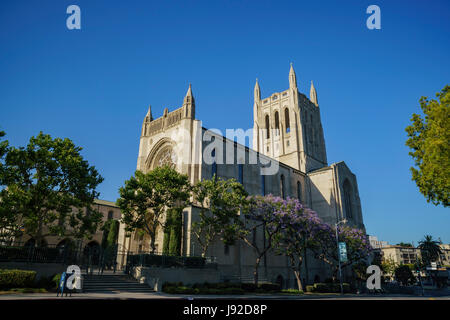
x,y
329,288
233,291
46,283
404,274
249,287
292,291
16,278
56,279
218,288
270,287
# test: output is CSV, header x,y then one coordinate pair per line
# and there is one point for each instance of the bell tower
x,y
287,127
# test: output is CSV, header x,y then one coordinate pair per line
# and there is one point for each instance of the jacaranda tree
x,y
262,216
357,244
298,227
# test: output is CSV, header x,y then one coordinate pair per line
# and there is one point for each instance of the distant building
x,y
108,209
401,254
376,244
444,259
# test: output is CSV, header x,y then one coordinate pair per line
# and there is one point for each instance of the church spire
x,y
189,103
148,116
189,94
292,78
257,91
313,95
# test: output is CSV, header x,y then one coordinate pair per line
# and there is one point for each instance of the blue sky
x,y
94,85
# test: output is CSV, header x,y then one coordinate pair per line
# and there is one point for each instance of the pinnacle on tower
x,y
148,116
189,94
313,94
189,104
257,91
292,78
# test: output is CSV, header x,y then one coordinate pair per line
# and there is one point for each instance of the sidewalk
x,y
160,295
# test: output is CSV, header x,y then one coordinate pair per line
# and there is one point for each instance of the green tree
x,y
9,226
388,266
428,139
109,241
172,232
147,196
404,274
3,149
110,233
404,244
50,189
430,249
219,201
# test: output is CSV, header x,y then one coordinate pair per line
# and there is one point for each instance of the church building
x,y
288,158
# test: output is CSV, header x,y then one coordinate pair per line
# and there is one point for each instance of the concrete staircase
x,y
113,283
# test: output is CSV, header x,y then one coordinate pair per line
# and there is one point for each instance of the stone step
x,y
106,290
118,286
113,282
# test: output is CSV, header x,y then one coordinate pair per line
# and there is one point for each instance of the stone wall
x,y
155,277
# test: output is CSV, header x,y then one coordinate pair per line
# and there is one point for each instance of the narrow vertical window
x,y
286,118
348,199
282,189
241,173
299,191
277,123
263,185
214,165
267,127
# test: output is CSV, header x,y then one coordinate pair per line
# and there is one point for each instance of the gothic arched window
x,y
277,123
214,165
267,127
286,119
348,196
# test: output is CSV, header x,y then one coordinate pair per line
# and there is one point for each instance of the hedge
x,y
328,288
11,278
219,288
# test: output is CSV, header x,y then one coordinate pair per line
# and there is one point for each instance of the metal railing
x,y
38,254
156,259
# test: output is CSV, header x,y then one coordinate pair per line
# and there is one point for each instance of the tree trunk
x,y
299,281
152,243
255,272
296,270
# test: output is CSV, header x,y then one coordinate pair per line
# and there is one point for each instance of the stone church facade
x,y
288,159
